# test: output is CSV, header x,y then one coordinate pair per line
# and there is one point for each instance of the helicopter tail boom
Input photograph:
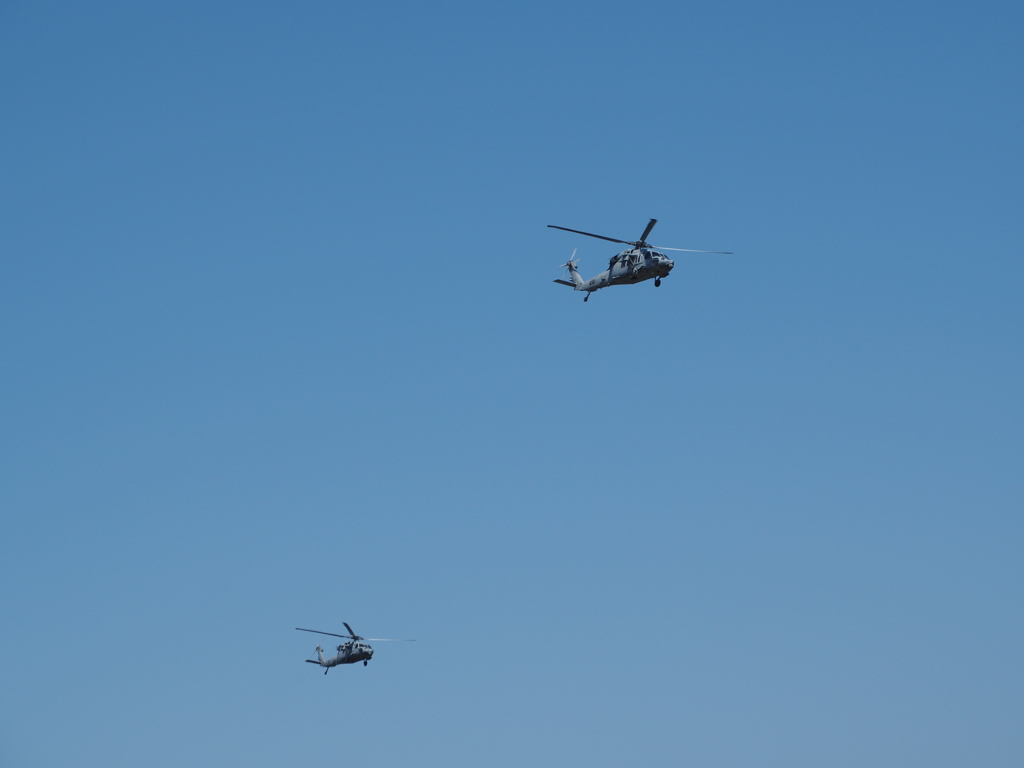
x,y
577,279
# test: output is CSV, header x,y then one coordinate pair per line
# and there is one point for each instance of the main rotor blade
x,y
690,250
387,640
332,634
643,237
354,635
588,234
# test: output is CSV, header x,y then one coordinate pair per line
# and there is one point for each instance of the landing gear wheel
x,y
365,663
587,297
657,282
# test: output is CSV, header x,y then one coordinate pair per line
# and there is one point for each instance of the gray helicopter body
x,y
348,653
627,268
640,262
352,652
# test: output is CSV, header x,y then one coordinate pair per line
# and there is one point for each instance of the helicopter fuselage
x,y
628,268
348,653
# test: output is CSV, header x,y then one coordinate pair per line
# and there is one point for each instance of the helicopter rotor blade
x,y
353,634
650,226
589,234
690,250
387,640
332,634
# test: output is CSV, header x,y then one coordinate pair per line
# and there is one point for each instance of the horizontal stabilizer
x,y
311,661
565,282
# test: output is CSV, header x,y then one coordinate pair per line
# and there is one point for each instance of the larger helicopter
x,y
641,261
352,652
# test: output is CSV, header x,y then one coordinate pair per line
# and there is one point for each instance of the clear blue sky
x,y
279,347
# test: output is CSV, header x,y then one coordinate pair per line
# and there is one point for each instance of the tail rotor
x,y
571,264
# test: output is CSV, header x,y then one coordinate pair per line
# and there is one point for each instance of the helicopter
x,y
641,261
352,652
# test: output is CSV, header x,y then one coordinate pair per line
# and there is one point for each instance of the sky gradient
x,y
280,347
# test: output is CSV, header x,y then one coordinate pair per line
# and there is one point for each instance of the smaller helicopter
x,y
354,651
640,262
